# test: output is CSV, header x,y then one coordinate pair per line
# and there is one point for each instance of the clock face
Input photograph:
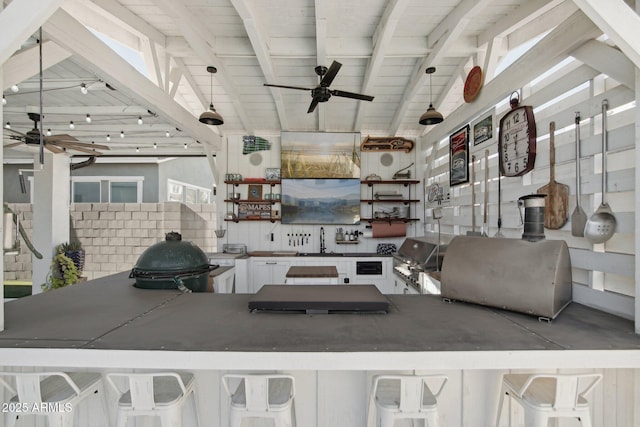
x,y
517,142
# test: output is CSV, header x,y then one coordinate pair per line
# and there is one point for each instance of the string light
x,y
137,149
108,138
71,125
7,126
140,120
84,89
4,100
155,145
167,134
185,145
48,132
88,118
122,134
15,88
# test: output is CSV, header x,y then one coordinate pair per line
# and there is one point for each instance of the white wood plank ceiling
x,y
384,47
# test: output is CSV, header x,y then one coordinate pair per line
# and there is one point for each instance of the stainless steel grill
x,y
415,259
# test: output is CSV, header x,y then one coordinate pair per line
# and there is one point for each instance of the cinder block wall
x,y
115,234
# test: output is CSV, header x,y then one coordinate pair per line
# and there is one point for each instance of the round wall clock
x,y
517,139
473,84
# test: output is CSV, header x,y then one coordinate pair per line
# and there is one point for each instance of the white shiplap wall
x,y
603,274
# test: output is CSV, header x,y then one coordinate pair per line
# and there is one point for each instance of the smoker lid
x,y
173,255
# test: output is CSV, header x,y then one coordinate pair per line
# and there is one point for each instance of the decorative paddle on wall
x,y
322,93
556,208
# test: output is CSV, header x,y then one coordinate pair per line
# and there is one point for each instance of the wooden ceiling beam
x,y
381,41
25,64
20,19
618,21
261,51
201,41
608,60
321,53
73,36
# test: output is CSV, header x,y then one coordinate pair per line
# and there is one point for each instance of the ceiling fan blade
x,y
351,95
331,74
15,132
15,144
53,149
60,137
288,87
313,105
76,148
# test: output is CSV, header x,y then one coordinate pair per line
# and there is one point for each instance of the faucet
x,y
323,249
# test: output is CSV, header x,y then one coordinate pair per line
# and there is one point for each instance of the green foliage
x,y
69,246
63,272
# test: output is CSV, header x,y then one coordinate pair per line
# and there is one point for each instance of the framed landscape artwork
x,y
320,201
320,155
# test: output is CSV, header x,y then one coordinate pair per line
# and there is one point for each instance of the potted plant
x,y
74,251
63,272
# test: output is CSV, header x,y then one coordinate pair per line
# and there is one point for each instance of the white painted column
x,y
51,198
1,197
637,213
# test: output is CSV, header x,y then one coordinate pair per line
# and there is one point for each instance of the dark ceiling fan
x,y
53,143
322,93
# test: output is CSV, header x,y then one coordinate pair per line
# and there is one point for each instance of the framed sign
x,y
459,157
255,192
483,131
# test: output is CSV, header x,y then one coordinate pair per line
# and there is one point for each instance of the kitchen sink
x,y
326,254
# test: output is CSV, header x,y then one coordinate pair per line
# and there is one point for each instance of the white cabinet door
x,y
268,272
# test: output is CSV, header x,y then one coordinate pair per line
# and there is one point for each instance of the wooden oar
x,y
557,201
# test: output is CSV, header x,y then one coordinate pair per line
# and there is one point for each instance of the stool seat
x,y
262,396
396,397
161,394
545,396
63,389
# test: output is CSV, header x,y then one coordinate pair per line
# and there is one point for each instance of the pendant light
x,y
211,117
431,116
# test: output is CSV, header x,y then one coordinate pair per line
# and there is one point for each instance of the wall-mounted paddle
x,y
602,224
557,203
578,217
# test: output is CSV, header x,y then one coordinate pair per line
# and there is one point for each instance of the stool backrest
x,y
142,389
412,389
565,390
28,384
258,391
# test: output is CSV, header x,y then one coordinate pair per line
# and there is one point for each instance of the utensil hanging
x,y
473,231
602,224
556,206
578,217
485,224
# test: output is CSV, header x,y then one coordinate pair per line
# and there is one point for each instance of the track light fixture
x,y
431,116
84,89
211,117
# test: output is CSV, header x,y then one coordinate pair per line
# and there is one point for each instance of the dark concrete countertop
x,y
110,313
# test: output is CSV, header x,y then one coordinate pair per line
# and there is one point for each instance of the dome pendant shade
x,y
431,116
211,117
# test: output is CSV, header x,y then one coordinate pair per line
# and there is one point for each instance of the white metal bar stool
x,y
261,395
161,394
50,394
396,397
545,396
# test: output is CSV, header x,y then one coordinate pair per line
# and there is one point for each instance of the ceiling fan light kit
x,y
431,116
211,116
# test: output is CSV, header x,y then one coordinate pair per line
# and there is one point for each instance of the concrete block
x,y
90,215
142,216
117,224
172,226
149,207
100,207
157,216
131,207
172,216
171,206
123,215
116,207
132,224
107,215
81,207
